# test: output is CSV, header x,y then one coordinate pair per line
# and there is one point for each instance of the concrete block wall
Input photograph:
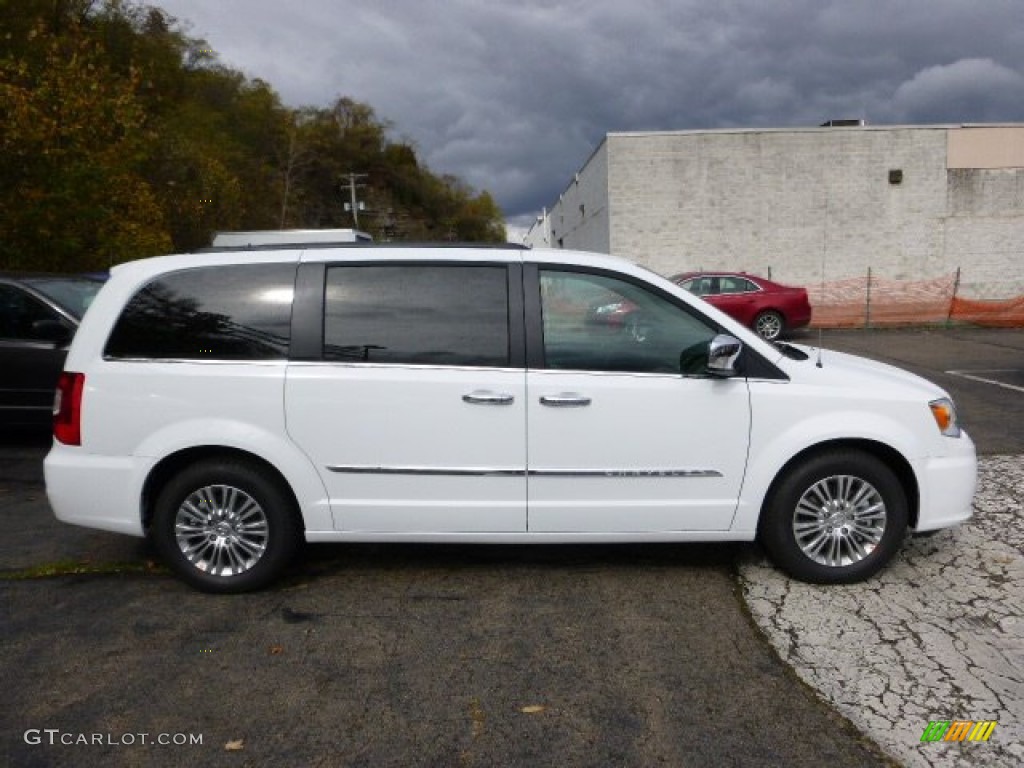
x,y
580,220
789,201
984,230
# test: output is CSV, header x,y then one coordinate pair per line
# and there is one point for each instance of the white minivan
x,y
232,404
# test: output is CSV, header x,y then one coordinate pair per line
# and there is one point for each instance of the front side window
x,y
598,323
453,315
700,286
234,312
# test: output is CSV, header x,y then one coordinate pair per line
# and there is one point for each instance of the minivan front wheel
x,y
838,517
223,527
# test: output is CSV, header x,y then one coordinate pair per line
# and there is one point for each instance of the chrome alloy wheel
x,y
769,325
839,520
221,530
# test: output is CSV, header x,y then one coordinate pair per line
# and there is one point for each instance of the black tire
x,y
836,518
223,526
769,325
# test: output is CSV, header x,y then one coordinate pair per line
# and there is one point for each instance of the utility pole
x,y
354,205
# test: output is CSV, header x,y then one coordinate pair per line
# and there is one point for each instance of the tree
x,y
122,137
70,138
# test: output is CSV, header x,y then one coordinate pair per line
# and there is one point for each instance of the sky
x,y
512,96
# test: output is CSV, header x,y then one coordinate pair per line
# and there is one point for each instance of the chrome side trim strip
x,y
624,473
429,471
486,472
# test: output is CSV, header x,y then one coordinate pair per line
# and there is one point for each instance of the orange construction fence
x,y
868,301
992,314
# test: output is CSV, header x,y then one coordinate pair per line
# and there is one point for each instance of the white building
x,y
910,202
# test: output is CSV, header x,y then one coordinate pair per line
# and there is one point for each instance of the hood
x,y
852,371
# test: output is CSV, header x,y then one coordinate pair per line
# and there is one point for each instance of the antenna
x,y
824,250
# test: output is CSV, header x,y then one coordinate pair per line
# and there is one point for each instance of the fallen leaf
x,y
276,649
478,717
234,746
532,709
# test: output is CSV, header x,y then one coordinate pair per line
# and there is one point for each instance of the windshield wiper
x,y
790,351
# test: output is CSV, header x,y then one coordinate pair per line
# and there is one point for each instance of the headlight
x,y
945,416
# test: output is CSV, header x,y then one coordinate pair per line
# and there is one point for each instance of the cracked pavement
x,y
938,635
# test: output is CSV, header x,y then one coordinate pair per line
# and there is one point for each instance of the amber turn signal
x,y
945,417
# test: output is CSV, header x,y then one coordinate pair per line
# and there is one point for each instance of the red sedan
x,y
767,307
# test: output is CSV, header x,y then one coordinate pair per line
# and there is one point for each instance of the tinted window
x,y
426,315
735,285
219,313
701,286
598,323
21,315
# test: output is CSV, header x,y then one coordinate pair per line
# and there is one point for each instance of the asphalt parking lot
x,y
982,368
659,655
938,636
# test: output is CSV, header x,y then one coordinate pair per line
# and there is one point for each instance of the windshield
x,y
73,294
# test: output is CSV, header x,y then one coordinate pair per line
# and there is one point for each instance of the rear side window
x,y
417,314
21,315
239,312
736,285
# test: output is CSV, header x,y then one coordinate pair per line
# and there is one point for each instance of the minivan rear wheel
x,y
838,517
224,527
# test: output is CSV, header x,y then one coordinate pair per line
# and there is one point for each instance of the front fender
x,y
775,441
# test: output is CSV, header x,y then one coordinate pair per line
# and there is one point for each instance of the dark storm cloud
x,y
513,96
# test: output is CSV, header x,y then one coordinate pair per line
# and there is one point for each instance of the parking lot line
x,y
972,377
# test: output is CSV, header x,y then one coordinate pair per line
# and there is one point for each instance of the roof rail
x,y
318,246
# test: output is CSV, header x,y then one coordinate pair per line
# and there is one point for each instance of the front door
x,y
626,431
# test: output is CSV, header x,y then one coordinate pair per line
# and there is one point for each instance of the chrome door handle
x,y
482,397
565,400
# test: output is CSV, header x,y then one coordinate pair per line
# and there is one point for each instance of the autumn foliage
x,y
122,137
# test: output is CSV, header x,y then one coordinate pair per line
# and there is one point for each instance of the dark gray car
x,y
39,314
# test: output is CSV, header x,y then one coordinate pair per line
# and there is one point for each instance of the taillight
x,y
67,408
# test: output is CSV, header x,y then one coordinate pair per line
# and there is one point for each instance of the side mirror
x,y
52,331
722,353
